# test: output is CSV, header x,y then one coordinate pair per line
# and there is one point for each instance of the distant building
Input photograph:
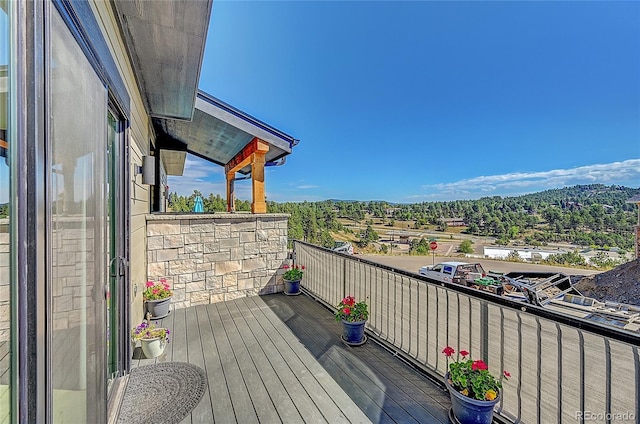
x,y
404,239
454,222
525,253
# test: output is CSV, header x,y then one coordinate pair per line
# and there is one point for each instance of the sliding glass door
x,y
77,253
116,244
7,287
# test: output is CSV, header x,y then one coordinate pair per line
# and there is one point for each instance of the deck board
x,y
238,391
203,413
251,378
220,399
315,381
274,372
383,386
277,358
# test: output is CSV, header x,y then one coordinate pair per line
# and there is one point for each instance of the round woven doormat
x,y
162,393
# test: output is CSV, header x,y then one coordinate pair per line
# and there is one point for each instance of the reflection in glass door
x,y
6,285
77,252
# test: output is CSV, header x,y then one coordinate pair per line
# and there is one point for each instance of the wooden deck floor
x,y
277,358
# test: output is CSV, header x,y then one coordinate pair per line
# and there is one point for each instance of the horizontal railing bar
x,y
574,322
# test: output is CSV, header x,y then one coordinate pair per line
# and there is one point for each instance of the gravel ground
x,y
413,263
621,284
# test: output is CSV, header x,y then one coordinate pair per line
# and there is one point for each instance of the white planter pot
x,y
152,348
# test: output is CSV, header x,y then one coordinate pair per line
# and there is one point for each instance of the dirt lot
x,y
413,263
621,284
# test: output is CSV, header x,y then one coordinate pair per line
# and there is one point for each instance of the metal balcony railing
x,y
563,369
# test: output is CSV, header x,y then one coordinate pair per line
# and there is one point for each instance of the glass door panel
x,y
114,243
76,179
5,244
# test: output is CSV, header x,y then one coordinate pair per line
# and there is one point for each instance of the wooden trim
x,y
231,203
258,205
252,154
243,158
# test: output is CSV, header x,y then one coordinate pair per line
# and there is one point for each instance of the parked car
x,y
454,272
343,247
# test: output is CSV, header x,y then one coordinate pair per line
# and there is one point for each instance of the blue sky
x,y
425,101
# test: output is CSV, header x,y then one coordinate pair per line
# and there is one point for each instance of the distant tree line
x,y
212,203
585,215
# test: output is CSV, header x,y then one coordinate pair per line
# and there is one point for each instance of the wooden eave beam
x,y
252,154
245,156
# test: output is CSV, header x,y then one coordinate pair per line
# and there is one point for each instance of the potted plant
x,y
353,316
157,298
153,340
474,391
292,277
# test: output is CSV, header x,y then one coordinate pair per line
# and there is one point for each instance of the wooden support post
x,y
259,204
231,198
253,154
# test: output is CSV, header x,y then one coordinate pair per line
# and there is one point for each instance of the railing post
x,y
344,277
484,331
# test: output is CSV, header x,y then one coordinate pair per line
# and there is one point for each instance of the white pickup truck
x,y
454,272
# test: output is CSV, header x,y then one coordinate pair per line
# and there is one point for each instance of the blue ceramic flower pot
x,y
470,411
353,332
291,287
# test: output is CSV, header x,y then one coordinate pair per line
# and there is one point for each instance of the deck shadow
x,y
384,388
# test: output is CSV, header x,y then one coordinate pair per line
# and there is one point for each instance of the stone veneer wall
x,y
208,258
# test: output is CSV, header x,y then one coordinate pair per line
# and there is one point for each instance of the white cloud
x,y
205,177
199,168
522,182
306,187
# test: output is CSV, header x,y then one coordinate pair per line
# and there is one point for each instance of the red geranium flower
x,y
479,365
350,310
349,300
448,351
472,378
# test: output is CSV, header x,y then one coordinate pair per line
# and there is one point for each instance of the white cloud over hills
x,y
624,173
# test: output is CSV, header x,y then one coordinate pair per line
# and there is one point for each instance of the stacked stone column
x,y
216,257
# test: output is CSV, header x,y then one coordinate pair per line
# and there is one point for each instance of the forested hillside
x,y
585,215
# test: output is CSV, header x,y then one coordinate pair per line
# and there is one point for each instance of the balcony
x,y
278,358
563,369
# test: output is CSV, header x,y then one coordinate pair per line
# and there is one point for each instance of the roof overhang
x,y
165,41
173,161
218,132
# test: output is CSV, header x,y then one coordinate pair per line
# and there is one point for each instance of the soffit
x,y
165,40
173,161
218,132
